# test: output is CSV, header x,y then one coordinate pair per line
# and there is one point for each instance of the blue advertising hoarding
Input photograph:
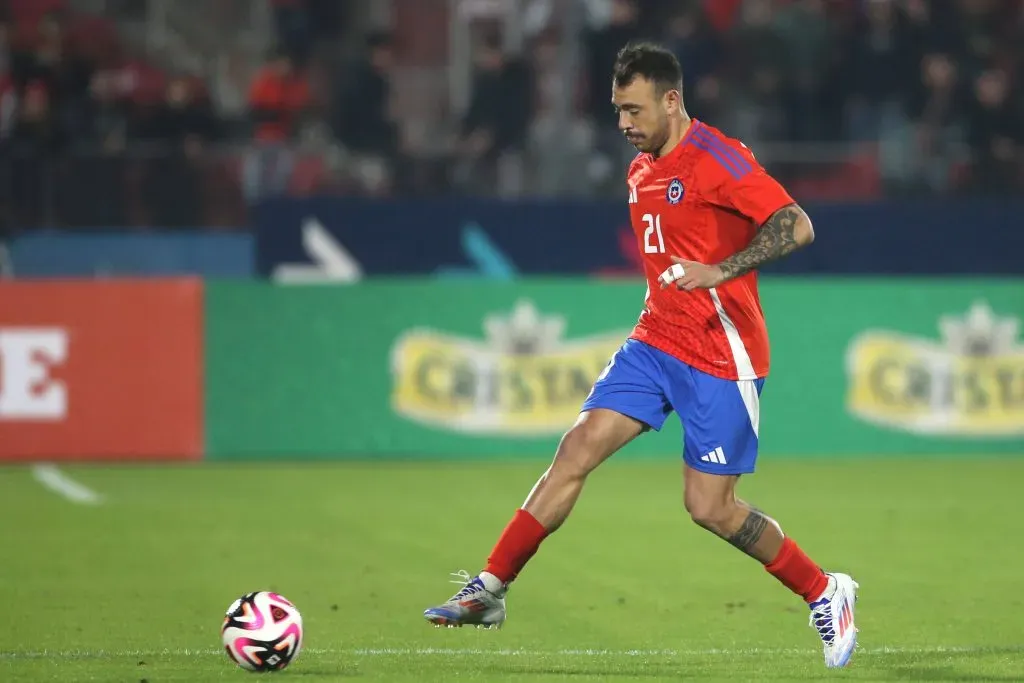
x,y
121,254
347,238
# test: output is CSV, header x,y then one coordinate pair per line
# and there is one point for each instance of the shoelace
x,y
464,578
821,620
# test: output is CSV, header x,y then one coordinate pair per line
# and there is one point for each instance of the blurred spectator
x,y
364,122
33,148
183,121
8,105
293,30
108,115
803,28
5,39
277,100
37,133
601,45
301,26
46,56
558,149
492,135
997,133
759,56
883,62
700,51
181,126
937,114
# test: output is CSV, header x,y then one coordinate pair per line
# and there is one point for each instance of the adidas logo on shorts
x,y
716,456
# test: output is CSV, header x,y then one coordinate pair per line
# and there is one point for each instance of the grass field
x,y
134,588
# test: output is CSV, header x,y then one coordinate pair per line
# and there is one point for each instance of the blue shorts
x,y
720,416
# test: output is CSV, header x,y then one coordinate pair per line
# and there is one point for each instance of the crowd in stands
x,y
73,101
841,98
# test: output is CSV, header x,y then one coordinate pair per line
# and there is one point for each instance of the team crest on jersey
x,y
675,191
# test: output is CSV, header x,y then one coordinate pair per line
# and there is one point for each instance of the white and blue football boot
x,y
480,603
832,618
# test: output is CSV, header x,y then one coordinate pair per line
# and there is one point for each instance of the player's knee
x,y
708,510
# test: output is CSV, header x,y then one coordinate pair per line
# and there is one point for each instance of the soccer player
x,y
706,216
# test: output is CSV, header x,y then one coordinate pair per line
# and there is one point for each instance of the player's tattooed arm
x,y
787,230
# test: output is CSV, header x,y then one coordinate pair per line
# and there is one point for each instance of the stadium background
x,y
351,232
471,146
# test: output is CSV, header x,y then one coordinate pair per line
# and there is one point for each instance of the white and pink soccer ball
x,y
262,631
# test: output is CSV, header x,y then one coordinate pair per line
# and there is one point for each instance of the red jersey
x,y
703,201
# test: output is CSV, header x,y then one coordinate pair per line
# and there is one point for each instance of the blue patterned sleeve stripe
x,y
731,160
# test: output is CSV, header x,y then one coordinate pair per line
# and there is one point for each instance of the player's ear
x,y
672,100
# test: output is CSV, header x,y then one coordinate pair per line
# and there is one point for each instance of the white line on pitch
x,y
467,652
52,478
649,653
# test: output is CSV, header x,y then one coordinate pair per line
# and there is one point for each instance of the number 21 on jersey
x,y
654,243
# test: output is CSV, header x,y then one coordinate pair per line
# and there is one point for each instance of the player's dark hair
x,y
649,61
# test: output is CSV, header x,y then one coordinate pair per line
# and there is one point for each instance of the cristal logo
x,y
524,378
969,383
28,389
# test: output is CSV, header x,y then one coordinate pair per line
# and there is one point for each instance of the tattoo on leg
x,y
749,533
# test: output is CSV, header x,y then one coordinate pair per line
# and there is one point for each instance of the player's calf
x,y
596,435
711,501
593,439
745,528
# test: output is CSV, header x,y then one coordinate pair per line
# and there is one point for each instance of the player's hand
x,y
690,275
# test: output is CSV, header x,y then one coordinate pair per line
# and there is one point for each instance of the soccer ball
x,y
262,631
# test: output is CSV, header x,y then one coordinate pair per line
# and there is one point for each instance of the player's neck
x,y
677,129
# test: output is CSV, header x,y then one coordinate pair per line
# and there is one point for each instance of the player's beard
x,y
643,144
646,144
660,138
649,145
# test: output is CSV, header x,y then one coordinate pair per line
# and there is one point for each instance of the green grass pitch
x,y
134,588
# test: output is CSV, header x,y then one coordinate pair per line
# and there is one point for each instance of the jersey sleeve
x,y
733,179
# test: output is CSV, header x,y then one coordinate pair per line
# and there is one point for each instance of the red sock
x,y
517,544
797,572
